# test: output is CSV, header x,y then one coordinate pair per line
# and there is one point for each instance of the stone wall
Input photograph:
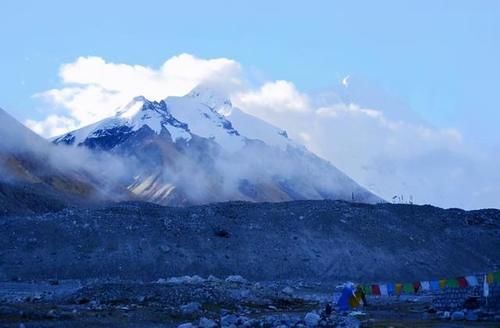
x,y
453,299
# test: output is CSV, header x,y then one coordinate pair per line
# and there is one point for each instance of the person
x,y
328,310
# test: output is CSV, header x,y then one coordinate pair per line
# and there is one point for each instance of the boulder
x,y
287,291
186,325
207,323
312,319
237,279
191,308
228,320
457,316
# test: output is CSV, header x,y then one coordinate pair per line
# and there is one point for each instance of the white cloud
x,y
53,125
278,96
94,88
386,152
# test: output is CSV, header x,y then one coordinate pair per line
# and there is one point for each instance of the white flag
x,y
472,281
486,287
425,285
383,290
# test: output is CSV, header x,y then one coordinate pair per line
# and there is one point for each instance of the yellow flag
x,y
399,287
490,278
442,283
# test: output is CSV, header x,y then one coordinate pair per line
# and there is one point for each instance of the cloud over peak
x,y
386,152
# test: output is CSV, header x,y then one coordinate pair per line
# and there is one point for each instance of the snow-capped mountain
x,y
199,148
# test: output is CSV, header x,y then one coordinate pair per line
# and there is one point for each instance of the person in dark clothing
x,y
328,310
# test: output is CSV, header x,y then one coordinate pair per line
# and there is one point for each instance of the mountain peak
x,y
210,96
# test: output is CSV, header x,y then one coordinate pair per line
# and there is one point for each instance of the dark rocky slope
x,y
317,240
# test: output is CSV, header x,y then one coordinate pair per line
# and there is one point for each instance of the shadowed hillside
x,y
305,239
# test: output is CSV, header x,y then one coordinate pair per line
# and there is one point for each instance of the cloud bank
x,y
380,146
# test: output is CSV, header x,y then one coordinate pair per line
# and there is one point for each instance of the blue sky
x,y
439,57
420,115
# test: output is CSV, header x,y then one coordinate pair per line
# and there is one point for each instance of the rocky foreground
x,y
110,266
189,302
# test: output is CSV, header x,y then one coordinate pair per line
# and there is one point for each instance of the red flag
x,y
376,290
462,282
416,286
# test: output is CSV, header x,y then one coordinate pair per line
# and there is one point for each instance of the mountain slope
x,y
186,150
35,175
312,240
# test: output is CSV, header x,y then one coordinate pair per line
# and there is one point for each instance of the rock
x,y
312,319
288,290
237,279
52,314
471,316
457,316
212,278
207,323
186,325
228,320
191,308
239,294
443,315
164,248
194,280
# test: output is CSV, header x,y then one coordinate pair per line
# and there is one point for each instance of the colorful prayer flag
x,y
452,283
472,281
442,283
376,290
416,286
408,288
434,285
367,289
390,288
399,288
383,290
496,277
486,287
426,286
462,282
490,278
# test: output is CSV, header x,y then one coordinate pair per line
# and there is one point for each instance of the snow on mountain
x,y
199,148
247,125
139,113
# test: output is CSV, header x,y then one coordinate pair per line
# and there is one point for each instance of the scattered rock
x,y
312,319
228,320
191,308
212,278
192,280
52,314
237,279
288,290
186,325
471,316
443,315
164,248
207,323
457,316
